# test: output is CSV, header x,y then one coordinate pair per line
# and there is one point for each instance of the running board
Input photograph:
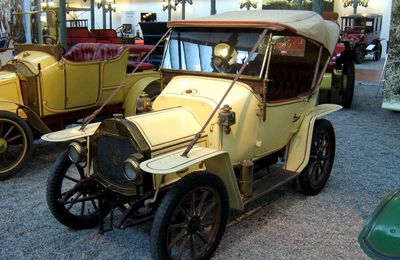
x,y
269,183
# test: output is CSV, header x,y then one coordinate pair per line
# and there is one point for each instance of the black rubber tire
x,y
359,54
53,193
378,52
159,232
348,92
309,186
27,142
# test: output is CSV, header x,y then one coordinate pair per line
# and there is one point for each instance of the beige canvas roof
x,y
305,23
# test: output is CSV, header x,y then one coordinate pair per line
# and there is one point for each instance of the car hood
x,y
7,77
35,60
202,94
160,129
168,127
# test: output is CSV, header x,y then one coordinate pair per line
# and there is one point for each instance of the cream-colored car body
x,y
177,109
186,103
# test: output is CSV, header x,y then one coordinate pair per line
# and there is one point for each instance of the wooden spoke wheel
x,y
359,54
314,177
191,219
70,195
378,52
15,144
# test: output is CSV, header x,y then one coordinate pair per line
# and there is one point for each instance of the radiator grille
x,y
110,154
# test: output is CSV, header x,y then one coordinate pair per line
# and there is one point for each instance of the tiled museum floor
x,y
369,71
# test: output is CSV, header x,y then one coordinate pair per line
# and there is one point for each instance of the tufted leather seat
x,y
289,81
83,52
108,51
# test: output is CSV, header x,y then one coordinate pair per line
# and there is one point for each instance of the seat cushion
x,y
109,51
289,81
78,32
81,52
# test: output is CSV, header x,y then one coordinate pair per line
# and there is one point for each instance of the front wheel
x,y
15,144
191,218
69,192
322,153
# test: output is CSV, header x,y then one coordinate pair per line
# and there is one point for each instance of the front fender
x,y
216,162
298,152
25,112
71,133
380,237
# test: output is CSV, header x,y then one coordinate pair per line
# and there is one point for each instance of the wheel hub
x,y
320,155
194,225
3,145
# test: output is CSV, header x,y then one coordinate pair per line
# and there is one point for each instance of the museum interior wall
x,y
129,11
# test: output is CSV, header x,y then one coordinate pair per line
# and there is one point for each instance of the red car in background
x,y
361,33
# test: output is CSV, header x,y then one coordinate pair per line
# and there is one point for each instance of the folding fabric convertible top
x,y
305,23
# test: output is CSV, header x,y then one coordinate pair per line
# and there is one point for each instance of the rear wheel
x,y
347,90
322,153
68,191
191,219
15,144
359,54
378,52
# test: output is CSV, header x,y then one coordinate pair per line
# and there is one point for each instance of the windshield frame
x,y
56,26
260,75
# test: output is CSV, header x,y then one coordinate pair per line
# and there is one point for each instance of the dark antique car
x,y
361,33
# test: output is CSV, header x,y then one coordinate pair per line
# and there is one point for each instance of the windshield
x,y
214,50
34,27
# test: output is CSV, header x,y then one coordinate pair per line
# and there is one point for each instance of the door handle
x,y
296,118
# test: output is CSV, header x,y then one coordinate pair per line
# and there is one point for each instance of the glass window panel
x,y
199,48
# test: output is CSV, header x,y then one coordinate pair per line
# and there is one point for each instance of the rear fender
x,y
298,150
130,103
216,162
380,237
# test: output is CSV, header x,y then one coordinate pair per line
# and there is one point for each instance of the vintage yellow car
x,y
42,90
236,118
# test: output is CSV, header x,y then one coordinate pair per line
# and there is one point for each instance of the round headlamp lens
x,y
75,152
131,169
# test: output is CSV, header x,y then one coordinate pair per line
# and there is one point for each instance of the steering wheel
x,y
47,39
224,58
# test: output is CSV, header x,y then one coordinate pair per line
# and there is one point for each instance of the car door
x,y
82,83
